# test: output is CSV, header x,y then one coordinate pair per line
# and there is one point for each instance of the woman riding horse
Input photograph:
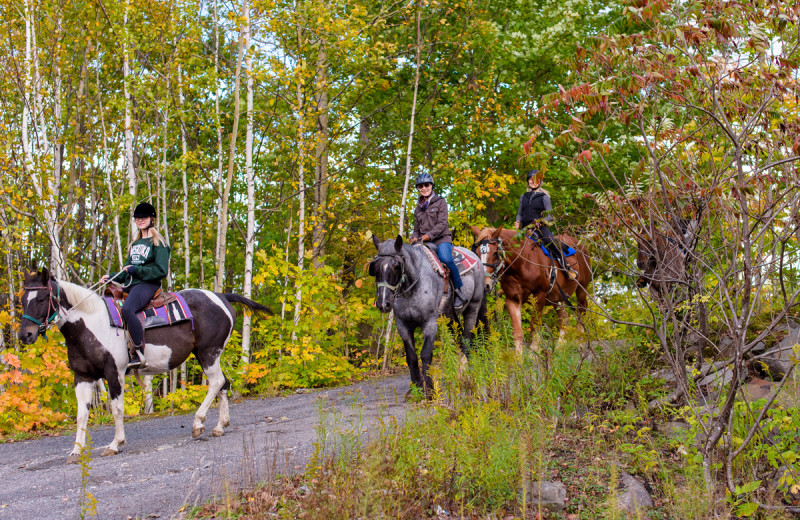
x,y
431,225
534,210
148,264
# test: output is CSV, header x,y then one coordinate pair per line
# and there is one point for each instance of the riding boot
x,y
558,254
459,299
136,359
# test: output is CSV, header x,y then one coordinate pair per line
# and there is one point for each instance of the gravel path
x,y
161,469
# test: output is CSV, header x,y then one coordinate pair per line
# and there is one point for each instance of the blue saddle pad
x,y
570,250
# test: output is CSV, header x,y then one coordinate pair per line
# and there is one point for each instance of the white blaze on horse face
x,y
32,296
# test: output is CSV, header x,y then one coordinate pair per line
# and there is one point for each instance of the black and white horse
x,y
406,283
96,350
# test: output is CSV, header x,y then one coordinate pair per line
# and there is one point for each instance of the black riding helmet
x,y
144,210
531,173
423,178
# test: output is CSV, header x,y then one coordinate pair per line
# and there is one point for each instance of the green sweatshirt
x,y
150,263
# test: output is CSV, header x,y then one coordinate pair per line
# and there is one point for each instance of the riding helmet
x,y
422,178
144,210
531,173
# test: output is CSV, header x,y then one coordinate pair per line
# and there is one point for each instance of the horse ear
x,y
376,241
45,275
497,232
398,244
475,230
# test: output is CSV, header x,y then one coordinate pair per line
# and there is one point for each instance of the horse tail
x,y
247,302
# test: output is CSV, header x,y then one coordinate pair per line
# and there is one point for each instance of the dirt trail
x,y
161,468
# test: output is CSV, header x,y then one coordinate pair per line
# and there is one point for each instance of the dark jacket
x,y
533,206
432,221
150,263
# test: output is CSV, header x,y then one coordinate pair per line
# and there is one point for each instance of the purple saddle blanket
x,y
170,314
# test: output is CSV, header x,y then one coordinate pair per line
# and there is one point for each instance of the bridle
x,y
497,267
395,289
55,307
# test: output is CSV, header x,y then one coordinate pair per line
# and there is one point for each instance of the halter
x,y
395,288
501,255
43,326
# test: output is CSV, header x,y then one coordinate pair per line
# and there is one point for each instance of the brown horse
x,y
525,271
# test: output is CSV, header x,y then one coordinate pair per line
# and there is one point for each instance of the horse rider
x,y
147,265
431,225
534,210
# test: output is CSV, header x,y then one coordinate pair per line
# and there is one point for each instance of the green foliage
x,y
312,350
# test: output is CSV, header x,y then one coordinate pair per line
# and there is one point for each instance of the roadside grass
x,y
575,413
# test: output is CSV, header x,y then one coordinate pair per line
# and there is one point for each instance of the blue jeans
x,y
445,252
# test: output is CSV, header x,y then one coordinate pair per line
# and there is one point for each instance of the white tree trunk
x,y
401,225
108,168
129,164
185,184
250,238
52,221
223,231
26,110
301,242
217,285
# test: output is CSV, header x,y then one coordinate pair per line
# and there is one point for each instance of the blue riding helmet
x,y
423,178
531,173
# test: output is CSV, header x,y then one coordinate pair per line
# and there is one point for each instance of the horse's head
x,y
39,305
488,246
389,269
645,261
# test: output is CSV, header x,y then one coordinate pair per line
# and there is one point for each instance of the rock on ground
x,y
632,496
550,495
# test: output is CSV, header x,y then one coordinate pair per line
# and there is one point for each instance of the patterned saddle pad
x,y
461,257
176,311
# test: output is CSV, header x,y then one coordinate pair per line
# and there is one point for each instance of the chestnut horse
x,y
525,271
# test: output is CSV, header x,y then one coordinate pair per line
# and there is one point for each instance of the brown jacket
x,y
432,221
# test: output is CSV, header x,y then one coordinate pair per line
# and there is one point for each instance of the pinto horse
x,y
525,271
406,283
96,350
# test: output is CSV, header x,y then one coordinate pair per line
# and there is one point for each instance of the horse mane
x,y
506,234
91,303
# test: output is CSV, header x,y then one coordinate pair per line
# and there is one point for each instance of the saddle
x,y
461,257
166,308
160,298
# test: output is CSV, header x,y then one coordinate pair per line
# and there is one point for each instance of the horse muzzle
x,y
384,302
28,335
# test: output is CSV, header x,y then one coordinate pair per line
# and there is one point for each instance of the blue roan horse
x,y
407,283
96,350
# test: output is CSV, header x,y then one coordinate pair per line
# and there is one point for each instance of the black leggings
x,y
138,297
546,237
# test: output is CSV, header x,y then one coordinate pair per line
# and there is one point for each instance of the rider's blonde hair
x,y
158,240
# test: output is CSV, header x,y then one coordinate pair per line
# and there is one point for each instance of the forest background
x,y
275,138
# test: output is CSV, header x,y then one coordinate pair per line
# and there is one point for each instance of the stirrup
x,y
137,363
456,297
571,274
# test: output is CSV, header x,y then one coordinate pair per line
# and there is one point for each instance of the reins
x,y
57,307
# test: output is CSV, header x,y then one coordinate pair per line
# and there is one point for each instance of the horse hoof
x,y
73,458
108,452
197,432
217,432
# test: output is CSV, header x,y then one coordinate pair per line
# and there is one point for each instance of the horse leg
x,y
429,336
83,393
515,313
471,317
407,336
116,394
224,411
216,380
536,320
561,318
